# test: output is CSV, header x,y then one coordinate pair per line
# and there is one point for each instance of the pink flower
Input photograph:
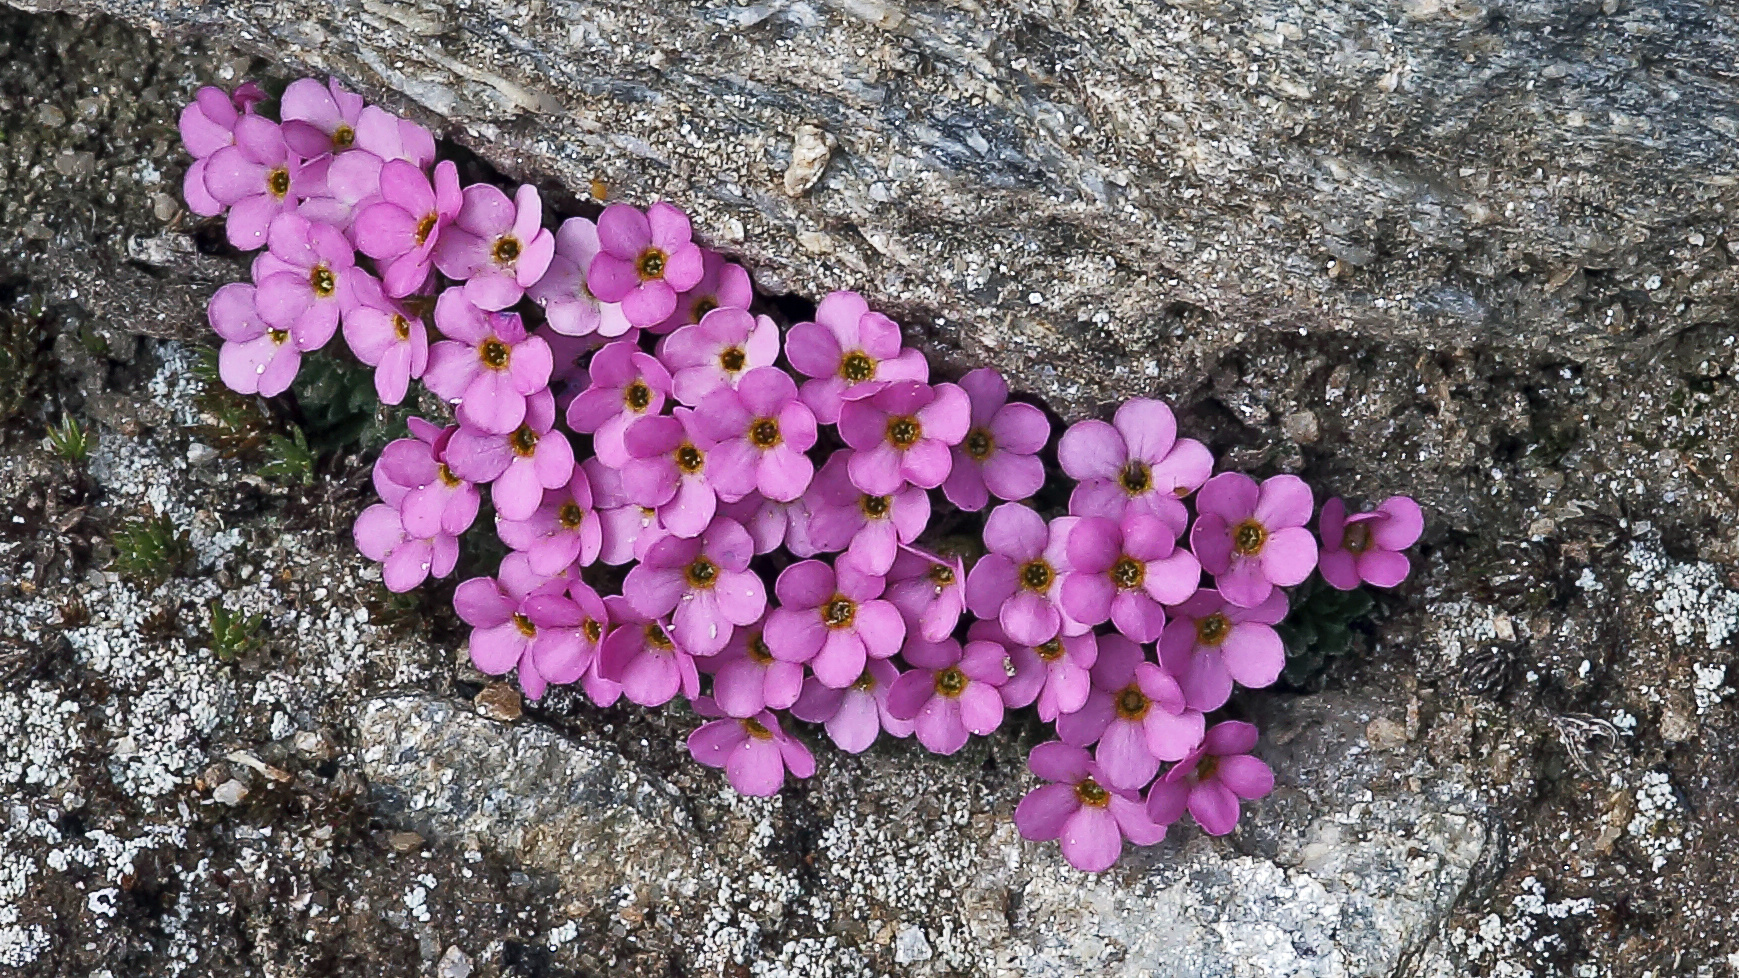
x,y
1367,546
1082,808
406,560
950,692
388,137
503,632
626,529
1018,581
564,528
641,656
1054,674
833,621
760,433
773,525
497,247
1137,714
1211,779
722,285
256,178
208,125
716,351
307,279
389,336
569,630
667,471
1137,460
412,475
747,679
1252,539
855,715
402,230
254,358
870,529
487,364
705,581
997,456
1210,642
851,353
929,590
627,385
644,261
902,434
522,463
571,307
319,119
1124,571
754,751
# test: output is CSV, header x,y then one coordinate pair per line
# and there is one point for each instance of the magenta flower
x,y
307,279
716,351
389,336
997,456
1055,674
1211,779
644,260
497,247
755,752
703,583
773,524
930,591
1210,642
851,353
339,187
855,715
208,125
1124,571
667,471
833,621
1018,581
747,679
1137,460
522,463
319,119
760,432
571,307
1367,546
254,358
487,364
503,631
641,656
388,137
1252,539
1080,807
402,230
950,692
564,528
626,529
406,560
902,434
569,632
1136,712
412,475
870,529
256,178
722,285
627,385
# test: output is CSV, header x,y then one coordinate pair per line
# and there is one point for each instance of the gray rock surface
x,y
1524,768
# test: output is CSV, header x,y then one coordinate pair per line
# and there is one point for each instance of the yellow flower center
x,y
323,281
1037,575
1090,794
650,264
447,477
839,612
759,654
656,638
857,367
689,458
343,137
495,354
401,327
951,682
1136,478
875,507
1248,538
980,443
941,575
701,574
637,396
426,226
506,250
1128,573
1357,538
278,182
757,729
1050,651
1212,630
593,629
571,516
732,359
764,433
904,431
524,625
524,442
702,306
1132,703
279,336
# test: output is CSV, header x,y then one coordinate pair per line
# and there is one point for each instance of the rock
x,y
910,945
454,964
809,151
230,793
405,841
498,701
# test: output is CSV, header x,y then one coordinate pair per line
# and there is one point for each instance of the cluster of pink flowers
x,y
761,498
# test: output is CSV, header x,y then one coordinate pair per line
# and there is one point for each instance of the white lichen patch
x,y
1689,599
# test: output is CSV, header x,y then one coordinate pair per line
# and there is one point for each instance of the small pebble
x,y
498,701
230,793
